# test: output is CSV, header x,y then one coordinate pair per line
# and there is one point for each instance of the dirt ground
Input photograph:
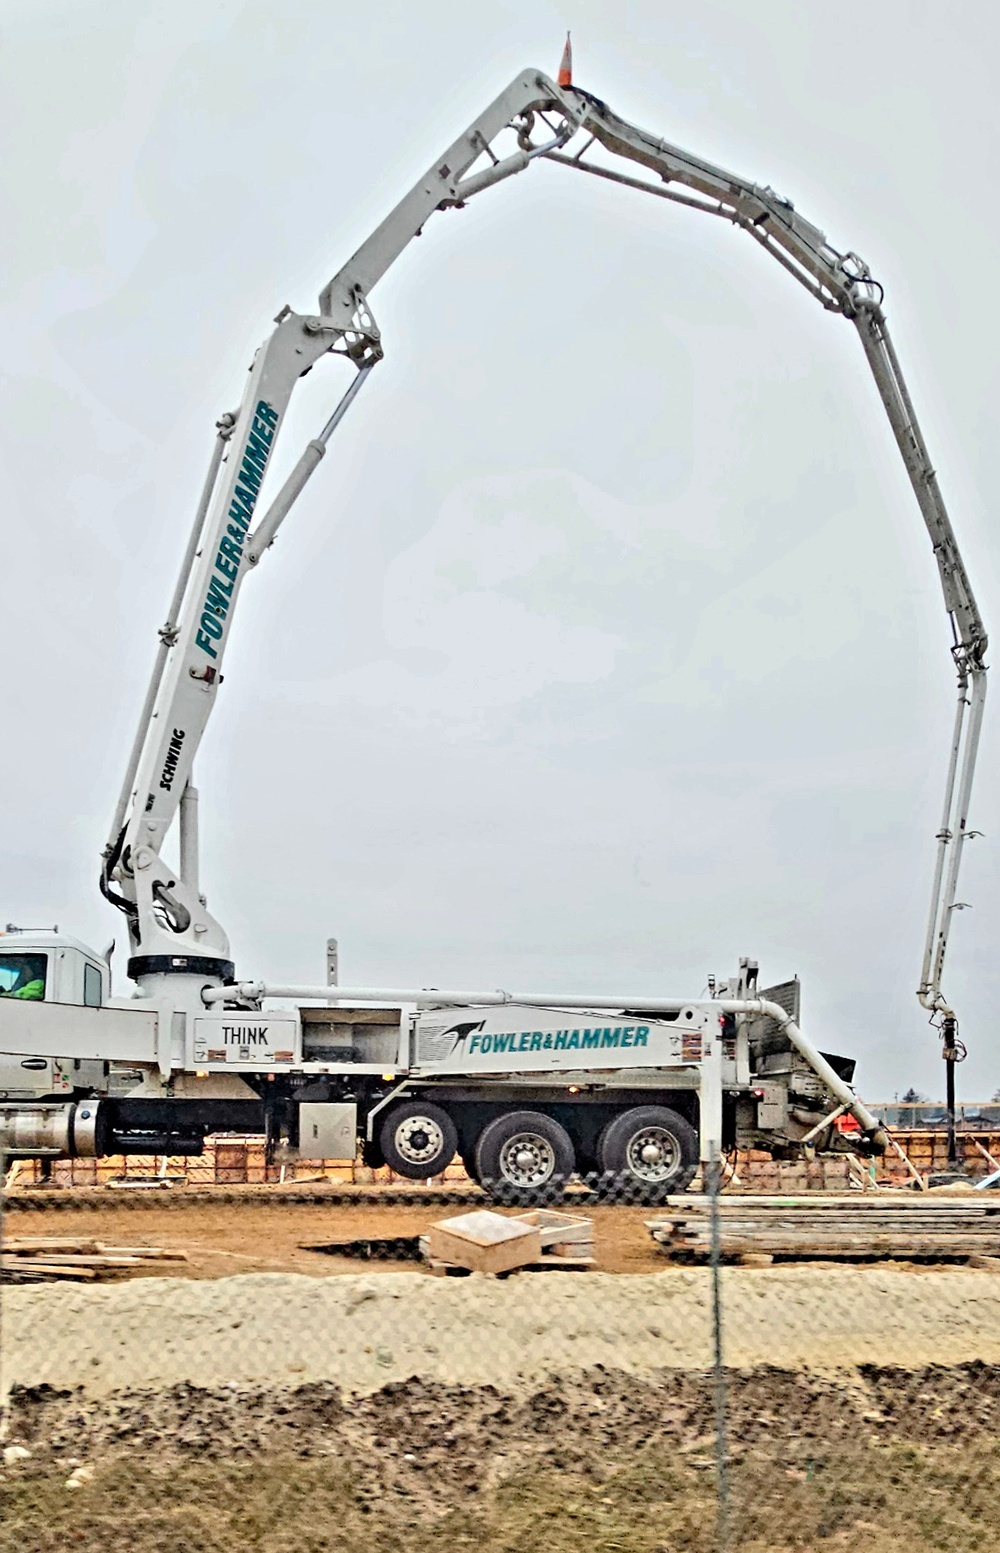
x,y
901,1460
279,1400
252,1236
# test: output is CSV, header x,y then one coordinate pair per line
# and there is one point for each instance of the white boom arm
x,y
170,928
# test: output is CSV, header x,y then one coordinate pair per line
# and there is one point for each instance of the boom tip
x,y
565,77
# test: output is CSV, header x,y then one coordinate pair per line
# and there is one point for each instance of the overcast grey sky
x,y
607,644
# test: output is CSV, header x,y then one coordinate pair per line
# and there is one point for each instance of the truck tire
x,y
418,1139
647,1153
524,1156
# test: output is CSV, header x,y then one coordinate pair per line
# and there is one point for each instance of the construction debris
x,y
31,1259
897,1225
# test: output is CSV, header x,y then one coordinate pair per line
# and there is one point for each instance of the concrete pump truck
x,y
527,1087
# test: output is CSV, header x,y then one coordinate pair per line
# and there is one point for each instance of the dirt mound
x,y
361,1331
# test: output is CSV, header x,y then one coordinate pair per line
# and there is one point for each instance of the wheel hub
x,y
653,1155
419,1139
527,1160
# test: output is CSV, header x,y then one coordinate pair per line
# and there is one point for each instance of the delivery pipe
x,y
168,631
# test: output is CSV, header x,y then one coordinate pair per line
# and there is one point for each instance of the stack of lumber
x,y
30,1259
538,1240
886,1224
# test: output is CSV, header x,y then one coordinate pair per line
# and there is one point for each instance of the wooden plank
x,y
792,1215
952,1209
858,1246
99,1263
571,1264
852,1227
743,1227
866,1208
22,1266
145,1253
805,1227
28,1245
899,1197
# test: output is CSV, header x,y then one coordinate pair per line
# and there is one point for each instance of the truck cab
x,y
38,966
42,966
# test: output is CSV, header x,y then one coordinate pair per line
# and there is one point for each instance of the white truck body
x,y
328,1080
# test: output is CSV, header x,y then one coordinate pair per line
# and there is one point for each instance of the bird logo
x,y
461,1034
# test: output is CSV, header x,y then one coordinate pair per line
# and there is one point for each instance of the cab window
x,y
23,976
91,985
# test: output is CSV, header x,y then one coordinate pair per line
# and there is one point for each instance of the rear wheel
x,y
648,1153
524,1156
418,1139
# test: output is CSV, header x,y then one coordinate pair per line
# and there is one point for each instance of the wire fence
x,y
327,1364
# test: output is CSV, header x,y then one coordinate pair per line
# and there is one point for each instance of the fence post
x,y
721,1449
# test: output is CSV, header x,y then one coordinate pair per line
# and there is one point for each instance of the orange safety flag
x,y
566,65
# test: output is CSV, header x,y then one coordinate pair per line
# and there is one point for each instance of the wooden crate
x,y
484,1242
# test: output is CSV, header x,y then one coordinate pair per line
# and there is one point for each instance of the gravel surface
x,y
364,1330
